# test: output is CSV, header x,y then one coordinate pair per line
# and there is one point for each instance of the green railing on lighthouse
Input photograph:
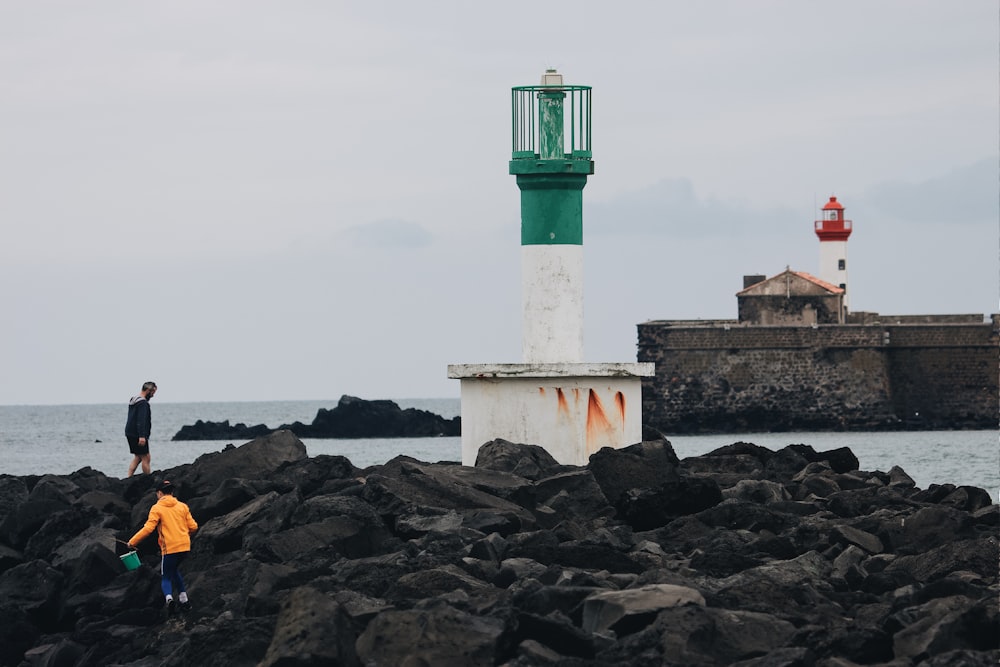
x,y
551,121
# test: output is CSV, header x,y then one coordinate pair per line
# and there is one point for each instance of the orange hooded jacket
x,y
173,521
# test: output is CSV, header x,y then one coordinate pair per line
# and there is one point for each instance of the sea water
x,y
60,439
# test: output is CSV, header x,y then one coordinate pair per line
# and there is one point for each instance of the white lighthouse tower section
x,y
833,265
552,303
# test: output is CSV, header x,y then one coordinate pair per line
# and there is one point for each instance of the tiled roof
x,y
822,283
829,287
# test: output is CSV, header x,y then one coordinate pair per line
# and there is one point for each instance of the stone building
x,y
791,297
795,360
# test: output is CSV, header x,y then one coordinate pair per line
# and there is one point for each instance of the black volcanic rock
x,y
741,556
358,418
645,465
352,418
203,430
528,461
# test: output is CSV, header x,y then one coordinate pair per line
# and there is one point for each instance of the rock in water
x,y
352,418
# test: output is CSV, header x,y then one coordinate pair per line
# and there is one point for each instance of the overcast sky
x,y
264,201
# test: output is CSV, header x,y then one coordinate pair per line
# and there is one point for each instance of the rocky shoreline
x,y
741,556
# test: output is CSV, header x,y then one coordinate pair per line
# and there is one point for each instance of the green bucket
x,y
131,560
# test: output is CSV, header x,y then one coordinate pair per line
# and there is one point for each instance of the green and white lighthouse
x,y
551,161
553,398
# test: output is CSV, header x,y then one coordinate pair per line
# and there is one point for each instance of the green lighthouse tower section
x,y
552,209
551,159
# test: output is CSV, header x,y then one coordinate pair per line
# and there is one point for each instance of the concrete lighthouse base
x,y
570,409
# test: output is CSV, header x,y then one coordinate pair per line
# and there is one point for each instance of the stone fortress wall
x,y
875,372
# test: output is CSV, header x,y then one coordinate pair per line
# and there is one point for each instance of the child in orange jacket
x,y
174,524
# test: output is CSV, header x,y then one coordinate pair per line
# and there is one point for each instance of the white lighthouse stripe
x,y
552,301
832,254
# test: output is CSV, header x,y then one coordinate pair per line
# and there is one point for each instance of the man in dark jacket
x,y
137,428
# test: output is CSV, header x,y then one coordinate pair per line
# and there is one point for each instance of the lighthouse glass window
x,y
831,215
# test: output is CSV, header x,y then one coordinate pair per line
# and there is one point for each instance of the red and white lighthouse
x,y
833,232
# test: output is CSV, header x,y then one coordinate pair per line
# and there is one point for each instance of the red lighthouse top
x,y
833,227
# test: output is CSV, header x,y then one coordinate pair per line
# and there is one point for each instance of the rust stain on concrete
x,y
561,405
620,402
598,426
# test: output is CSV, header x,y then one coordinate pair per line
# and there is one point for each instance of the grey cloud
x,y
389,234
965,195
671,208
